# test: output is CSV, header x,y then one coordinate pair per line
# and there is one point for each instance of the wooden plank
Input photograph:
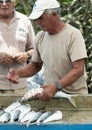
x,y
82,103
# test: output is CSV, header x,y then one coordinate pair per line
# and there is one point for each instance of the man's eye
x,y
7,1
1,1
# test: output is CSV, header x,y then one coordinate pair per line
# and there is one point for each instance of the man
x,y
60,48
16,45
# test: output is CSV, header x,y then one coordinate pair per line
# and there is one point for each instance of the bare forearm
x,y
70,78
74,74
29,70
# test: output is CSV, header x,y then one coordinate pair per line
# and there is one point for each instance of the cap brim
x,y
36,14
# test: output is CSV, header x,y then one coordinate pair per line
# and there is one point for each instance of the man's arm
x,y
76,72
28,71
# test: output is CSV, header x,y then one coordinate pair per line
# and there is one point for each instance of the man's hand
x,y
48,92
6,59
21,57
13,76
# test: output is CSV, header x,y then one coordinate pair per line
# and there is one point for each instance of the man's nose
x,y
4,2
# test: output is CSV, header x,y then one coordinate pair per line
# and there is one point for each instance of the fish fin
x,y
18,100
28,124
73,100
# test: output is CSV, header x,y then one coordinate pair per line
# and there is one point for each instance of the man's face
x,y
6,8
44,22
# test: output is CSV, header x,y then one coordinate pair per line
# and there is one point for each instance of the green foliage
x,y
24,6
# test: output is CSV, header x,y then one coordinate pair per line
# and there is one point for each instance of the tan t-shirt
x,y
57,52
16,37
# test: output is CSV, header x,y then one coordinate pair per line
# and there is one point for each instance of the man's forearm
x,y
29,70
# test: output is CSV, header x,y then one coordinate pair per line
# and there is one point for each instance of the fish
x,y
62,95
57,115
34,117
1,112
43,117
31,94
5,117
1,106
27,117
34,93
14,115
25,108
12,106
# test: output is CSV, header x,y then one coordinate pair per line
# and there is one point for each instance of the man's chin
x,y
5,16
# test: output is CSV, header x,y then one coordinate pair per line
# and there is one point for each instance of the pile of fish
x,y
23,114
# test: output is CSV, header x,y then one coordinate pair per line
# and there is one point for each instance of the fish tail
x,y
38,123
28,124
73,101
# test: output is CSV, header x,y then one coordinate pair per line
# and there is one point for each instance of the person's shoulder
x,y
74,31
73,28
40,35
21,15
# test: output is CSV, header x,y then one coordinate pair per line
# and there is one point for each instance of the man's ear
x,y
54,14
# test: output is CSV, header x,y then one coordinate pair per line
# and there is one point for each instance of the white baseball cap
x,y
41,5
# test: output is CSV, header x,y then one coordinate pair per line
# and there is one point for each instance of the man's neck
x,y
7,19
56,29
